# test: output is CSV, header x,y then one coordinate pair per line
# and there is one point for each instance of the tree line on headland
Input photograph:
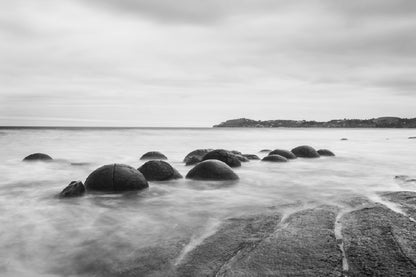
x,y
381,122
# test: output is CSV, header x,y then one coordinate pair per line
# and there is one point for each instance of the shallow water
x,y
42,235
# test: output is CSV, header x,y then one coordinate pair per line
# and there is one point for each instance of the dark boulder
x,y
274,158
159,171
236,152
284,153
195,156
251,156
153,155
242,158
265,151
74,189
193,160
37,157
305,151
212,170
344,139
115,178
224,156
412,137
325,152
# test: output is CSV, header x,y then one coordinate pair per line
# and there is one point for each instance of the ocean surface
x,y
41,235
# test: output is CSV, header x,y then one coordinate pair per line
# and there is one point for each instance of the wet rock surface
x,y
305,151
153,155
303,244
157,170
284,153
195,156
115,178
274,158
37,157
74,189
251,156
223,155
379,242
326,152
212,170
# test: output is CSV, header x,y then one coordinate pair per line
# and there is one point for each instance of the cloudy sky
x,y
200,62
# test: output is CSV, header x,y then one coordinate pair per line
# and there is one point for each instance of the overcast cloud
x,y
197,63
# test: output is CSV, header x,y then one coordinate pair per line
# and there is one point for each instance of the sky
x,y
196,63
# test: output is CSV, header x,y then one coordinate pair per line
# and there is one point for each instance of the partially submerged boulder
x,y
37,157
116,178
251,156
212,170
74,189
241,158
305,151
195,156
325,152
223,155
284,153
153,155
157,170
265,151
274,158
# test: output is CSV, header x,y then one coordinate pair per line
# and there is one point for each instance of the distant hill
x,y
381,122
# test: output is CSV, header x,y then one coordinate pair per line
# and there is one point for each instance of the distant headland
x,y
381,122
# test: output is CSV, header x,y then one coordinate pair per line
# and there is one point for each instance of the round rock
x,y
274,158
325,152
74,189
116,178
195,156
305,151
223,155
242,158
37,157
212,170
153,155
285,153
159,171
251,156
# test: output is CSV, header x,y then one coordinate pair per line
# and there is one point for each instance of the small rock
x,y
344,139
74,189
412,137
285,153
274,158
223,155
265,151
37,157
159,171
325,152
305,151
153,155
212,170
251,156
241,158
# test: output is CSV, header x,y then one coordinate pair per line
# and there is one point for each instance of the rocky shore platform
x,y
357,236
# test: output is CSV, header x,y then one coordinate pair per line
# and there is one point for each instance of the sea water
x,y
42,235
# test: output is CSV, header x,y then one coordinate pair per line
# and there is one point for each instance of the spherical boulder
x,y
37,157
325,152
251,156
116,178
285,153
305,151
241,158
223,155
212,170
274,158
153,155
195,156
74,189
157,170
